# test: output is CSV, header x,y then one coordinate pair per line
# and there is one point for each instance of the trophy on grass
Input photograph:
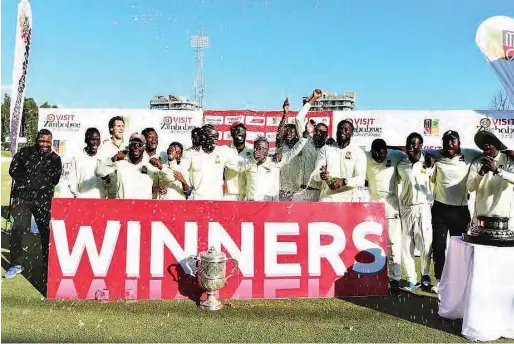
x,y
211,275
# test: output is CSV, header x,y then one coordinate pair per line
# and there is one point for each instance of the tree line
x,y
29,119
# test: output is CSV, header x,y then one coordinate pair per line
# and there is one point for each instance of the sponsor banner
x,y
395,125
20,69
495,38
126,249
68,127
258,123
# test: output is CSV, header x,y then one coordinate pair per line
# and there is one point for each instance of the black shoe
x,y
426,284
394,288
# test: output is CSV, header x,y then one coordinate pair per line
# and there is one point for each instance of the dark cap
x,y
451,134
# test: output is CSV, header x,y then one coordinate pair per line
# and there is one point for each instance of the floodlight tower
x,y
199,42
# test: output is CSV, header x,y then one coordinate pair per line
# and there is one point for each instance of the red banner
x,y
129,249
258,123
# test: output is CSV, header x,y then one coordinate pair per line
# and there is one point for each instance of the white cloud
x,y
6,87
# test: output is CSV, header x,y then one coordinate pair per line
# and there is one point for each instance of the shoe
x,y
13,271
411,287
394,288
426,283
435,289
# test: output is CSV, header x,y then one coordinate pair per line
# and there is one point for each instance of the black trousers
x,y
446,218
22,212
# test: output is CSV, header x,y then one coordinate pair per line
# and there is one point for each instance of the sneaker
x,y
411,287
394,288
426,283
13,271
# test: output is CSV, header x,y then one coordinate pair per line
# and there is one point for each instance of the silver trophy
x,y
211,276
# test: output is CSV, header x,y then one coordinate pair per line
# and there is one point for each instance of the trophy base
x,y
485,240
211,303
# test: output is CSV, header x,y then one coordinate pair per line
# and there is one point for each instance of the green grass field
x,y
28,318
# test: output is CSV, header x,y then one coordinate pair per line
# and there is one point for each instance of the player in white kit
x,y
383,187
415,199
82,182
236,182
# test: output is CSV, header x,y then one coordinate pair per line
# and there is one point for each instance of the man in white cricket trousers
x,y
236,182
415,200
383,187
492,177
341,169
82,181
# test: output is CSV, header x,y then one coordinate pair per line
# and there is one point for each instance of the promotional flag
x,y
19,74
495,38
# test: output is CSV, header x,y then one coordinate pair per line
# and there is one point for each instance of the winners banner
x,y
130,249
258,123
68,127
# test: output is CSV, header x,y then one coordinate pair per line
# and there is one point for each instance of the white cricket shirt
x,y
348,163
264,180
235,181
83,182
451,175
415,180
382,180
494,193
206,170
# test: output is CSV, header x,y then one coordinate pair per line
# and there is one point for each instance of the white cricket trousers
x,y
394,248
416,233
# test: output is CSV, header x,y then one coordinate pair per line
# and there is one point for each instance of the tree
x,y
29,118
501,102
6,129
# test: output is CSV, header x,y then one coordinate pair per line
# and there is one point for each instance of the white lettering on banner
x,y
161,236
272,248
362,244
133,248
331,252
271,137
233,119
96,287
85,240
218,236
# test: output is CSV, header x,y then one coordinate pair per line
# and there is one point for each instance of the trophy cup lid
x,y
212,255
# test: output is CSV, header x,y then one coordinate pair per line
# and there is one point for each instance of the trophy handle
x,y
188,261
233,270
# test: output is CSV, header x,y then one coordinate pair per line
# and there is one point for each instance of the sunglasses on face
x,y
137,144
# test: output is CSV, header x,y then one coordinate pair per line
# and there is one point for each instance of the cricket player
x,y
134,177
492,177
263,179
310,189
383,187
450,212
341,169
287,137
207,165
82,181
179,189
235,181
415,199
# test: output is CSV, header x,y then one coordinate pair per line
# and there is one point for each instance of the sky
x,y
396,54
